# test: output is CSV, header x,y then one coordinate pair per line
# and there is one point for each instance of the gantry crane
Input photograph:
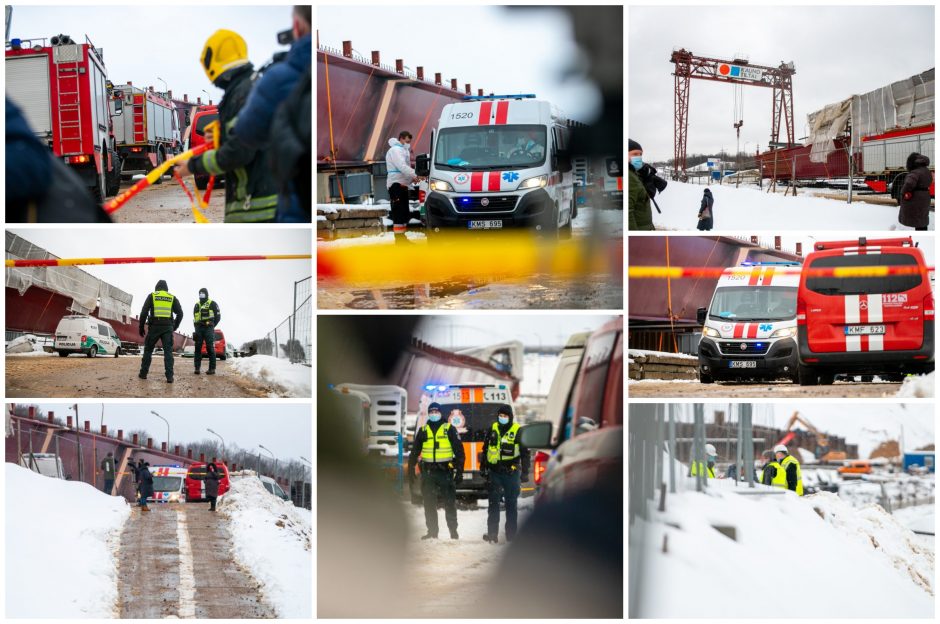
x,y
734,71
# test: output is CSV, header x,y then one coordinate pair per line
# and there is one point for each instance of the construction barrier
x,y
52,262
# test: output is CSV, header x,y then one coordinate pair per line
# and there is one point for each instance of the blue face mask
x,y
636,162
712,459
503,420
434,416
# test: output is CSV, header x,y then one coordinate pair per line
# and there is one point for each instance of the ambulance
x,y
498,162
471,409
749,328
168,484
869,324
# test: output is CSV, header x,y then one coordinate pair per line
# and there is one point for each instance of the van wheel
x,y
63,353
93,351
117,352
222,357
705,378
827,379
807,376
160,159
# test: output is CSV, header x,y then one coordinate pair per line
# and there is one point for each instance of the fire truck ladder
x,y
63,106
738,72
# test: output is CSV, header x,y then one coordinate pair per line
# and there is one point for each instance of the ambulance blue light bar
x,y
782,263
480,98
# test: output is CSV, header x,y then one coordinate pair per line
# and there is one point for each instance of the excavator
x,y
823,454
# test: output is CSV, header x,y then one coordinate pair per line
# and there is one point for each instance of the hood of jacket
x,y
203,291
916,161
708,192
397,143
228,77
161,285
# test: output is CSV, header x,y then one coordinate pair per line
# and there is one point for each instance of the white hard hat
x,y
710,449
780,448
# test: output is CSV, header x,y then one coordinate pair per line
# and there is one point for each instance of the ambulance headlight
x,y
536,182
441,185
174,497
786,332
708,332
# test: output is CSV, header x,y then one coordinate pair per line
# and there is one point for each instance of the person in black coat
x,y
915,193
438,479
145,485
705,215
212,485
159,329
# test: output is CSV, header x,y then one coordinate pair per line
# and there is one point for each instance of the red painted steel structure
x,y
689,66
783,163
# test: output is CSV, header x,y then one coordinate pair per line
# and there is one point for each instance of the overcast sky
x,y
836,50
498,50
142,43
283,427
487,329
253,296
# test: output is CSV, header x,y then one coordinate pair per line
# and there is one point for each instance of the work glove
x,y
907,196
458,477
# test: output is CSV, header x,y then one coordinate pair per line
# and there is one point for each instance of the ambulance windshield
x,y
167,484
471,148
749,303
472,420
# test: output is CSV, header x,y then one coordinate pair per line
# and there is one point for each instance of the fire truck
x,y
63,89
146,128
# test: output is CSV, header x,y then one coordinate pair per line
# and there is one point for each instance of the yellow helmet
x,y
224,50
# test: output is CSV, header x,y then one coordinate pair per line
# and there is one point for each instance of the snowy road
x,y
781,389
176,562
117,377
168,203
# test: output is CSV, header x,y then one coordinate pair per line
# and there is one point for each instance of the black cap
x,y
434,406
634,146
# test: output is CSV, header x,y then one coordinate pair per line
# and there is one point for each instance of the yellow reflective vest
x,y
708,471
503,448
780,479
204,312
437,447
162,304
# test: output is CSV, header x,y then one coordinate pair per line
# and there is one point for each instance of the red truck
x,y
146,129
63,89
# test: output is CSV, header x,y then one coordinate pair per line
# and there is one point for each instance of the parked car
x,y
272,486
79,333
220,350
196,481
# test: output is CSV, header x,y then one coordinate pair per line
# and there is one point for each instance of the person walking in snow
x,y
442,461
400,177
705,215
709,468
788,476
915,193
107,470
212,485
145,485
505,466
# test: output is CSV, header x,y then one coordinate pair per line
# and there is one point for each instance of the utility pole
x,y
219,437
167,428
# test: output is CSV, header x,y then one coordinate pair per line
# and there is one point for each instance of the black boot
x,y
141,376
492,539
429,536
453,534
196,372
211,371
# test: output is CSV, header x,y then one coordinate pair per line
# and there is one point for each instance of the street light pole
x,y
273,456
223,442
165,88
167,429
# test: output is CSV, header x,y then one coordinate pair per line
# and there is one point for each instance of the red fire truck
x,y
63,89
146,129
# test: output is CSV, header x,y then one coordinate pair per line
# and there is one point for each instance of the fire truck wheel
x,y
160,159
99,190
114,177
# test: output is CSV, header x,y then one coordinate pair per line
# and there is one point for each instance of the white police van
x,y
497,162
78,333
749,328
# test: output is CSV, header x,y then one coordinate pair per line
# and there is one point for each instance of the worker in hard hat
x,y
250,189
709,468
789,476
767,472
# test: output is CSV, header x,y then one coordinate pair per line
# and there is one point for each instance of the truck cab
x,y
749,328
498,162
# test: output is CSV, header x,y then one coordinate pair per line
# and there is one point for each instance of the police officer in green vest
x,y
789,476
505,466
162,313
709,468
442,458
206,316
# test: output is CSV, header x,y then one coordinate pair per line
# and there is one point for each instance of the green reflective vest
x,y
204,312
708,471
162,304
505,447
437,447
780,479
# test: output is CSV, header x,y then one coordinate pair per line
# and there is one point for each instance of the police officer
x,y
789,476
163,314
709,469
206,316
442,460
505,466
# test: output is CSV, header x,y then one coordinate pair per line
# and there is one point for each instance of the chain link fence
x,y
292,338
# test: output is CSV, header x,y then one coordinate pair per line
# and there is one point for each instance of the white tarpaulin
x,y
825,125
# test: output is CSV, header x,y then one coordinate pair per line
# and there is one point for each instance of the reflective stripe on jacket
x,y
437,447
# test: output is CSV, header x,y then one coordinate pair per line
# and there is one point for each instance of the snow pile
x,y
847,574
918,386
61,538
873,527
289,380
271,538
919,518
750,208
632,353
29,345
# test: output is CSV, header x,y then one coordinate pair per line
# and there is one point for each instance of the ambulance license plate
x,y
742,364
864,330
491,224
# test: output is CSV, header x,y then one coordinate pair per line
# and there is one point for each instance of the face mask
x,y
636,162
712,459
434,416
202,297
503,420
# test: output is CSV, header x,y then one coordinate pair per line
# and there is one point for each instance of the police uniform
x,y
442,459
505,467
162,313
206,316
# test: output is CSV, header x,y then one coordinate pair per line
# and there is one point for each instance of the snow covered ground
x,y
752,209
842,562
682,356
291,380
271,538
61,540
920,518
919,386
29,345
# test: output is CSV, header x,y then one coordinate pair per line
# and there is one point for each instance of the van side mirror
x,y
700,315
536,435
423,165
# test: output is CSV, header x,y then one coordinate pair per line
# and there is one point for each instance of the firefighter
x,y
107,470
442,460
163,314
789,476
250,189
709,472
505,467
206,316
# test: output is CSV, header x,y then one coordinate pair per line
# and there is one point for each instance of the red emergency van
x,y
219,345
865,324
196,481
